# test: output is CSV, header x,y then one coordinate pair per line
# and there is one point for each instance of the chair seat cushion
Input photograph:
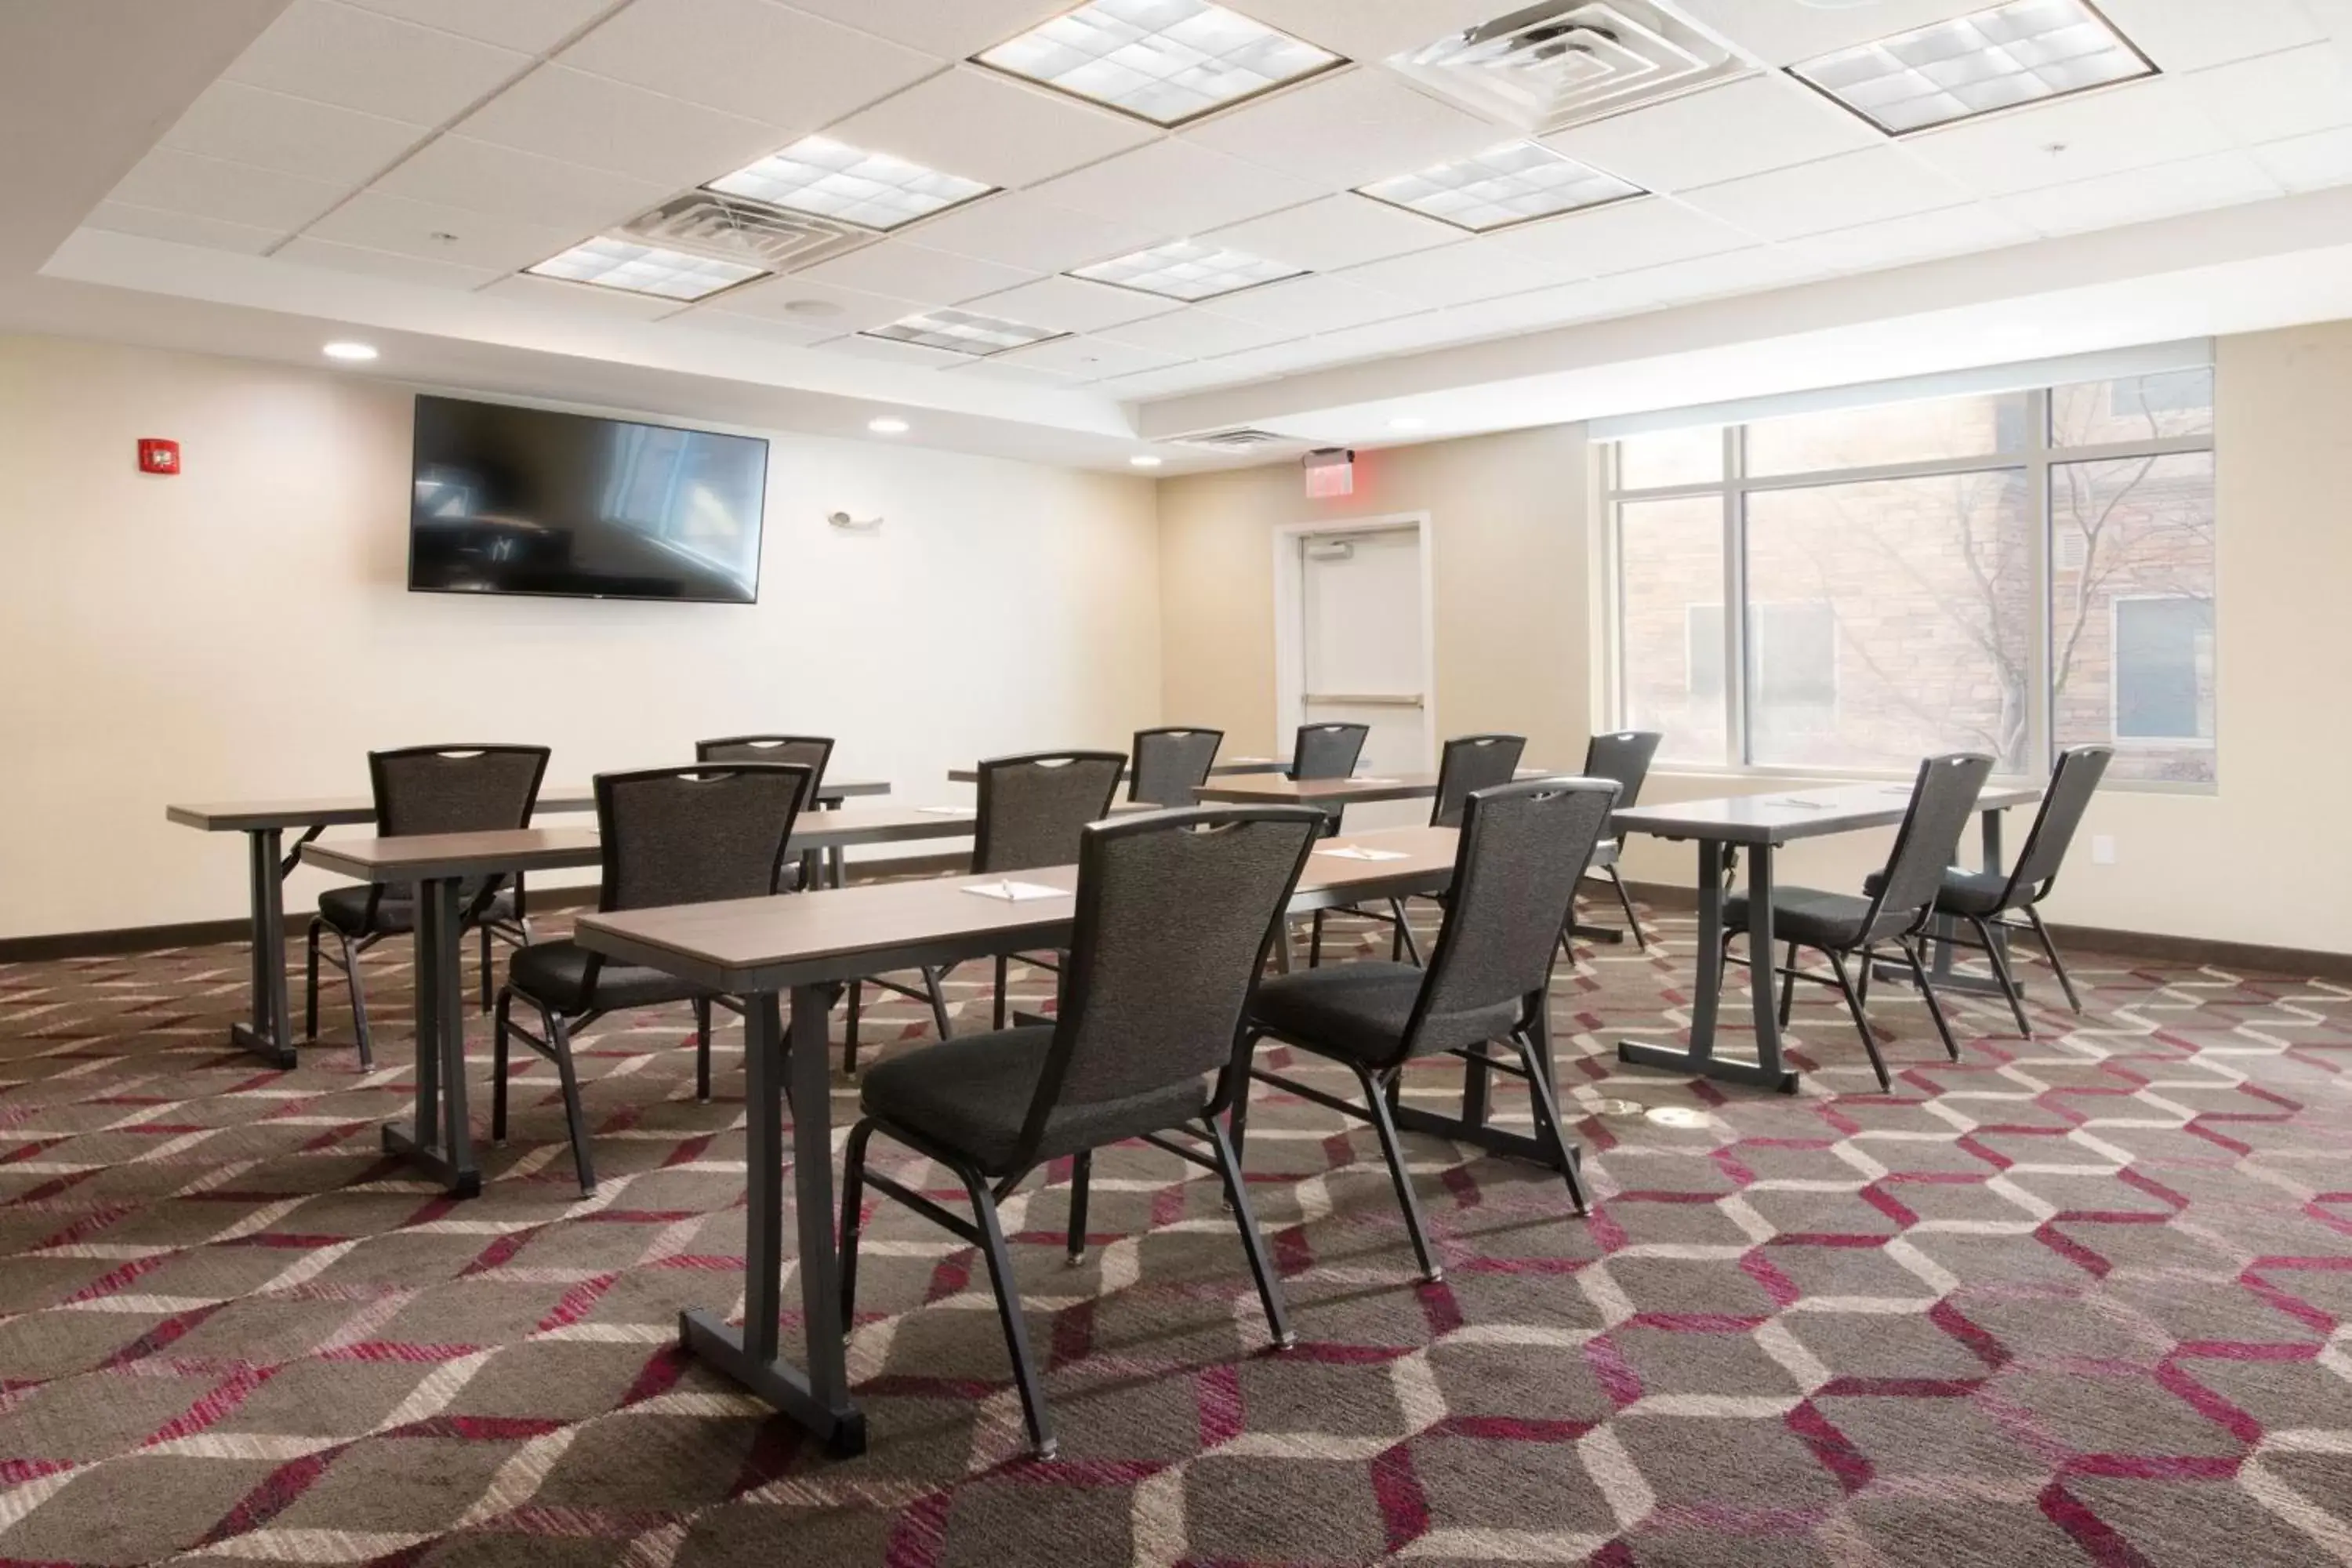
x,y
555,974
1358,1013
971,1095
1809,915
346,909
1964,892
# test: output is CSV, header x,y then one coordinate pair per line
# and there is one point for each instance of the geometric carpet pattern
x,y
2084,1299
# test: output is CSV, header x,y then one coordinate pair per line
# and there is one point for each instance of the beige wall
x,y
244,629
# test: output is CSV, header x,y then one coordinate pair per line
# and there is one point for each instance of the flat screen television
x,y
525,500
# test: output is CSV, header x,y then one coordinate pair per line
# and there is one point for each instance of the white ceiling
x,y
394,164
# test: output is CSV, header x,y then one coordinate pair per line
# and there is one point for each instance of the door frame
x,y
1290,616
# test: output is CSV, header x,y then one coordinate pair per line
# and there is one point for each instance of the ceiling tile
x,y
986,126
1734,272
2131,126
556,294
951,29
581,119
339,54
481,176
1835,193
534,26
234,193
2294,93
852,309
1949,231
1197,332
1338,231
891,352
291,135
750,57
1746,127
1001,368
1315,304
1020,230
718,320
1177,187
2310,162
1455,274
2189,35
1621,238
1073,305
1374,31
1090,359
1349,128
1404,334
2221,179
182,228
908,272
1782,31
380,222
307,251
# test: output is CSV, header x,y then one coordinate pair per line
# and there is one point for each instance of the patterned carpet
x,y
2082,1299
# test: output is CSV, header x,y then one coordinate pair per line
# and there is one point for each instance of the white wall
x,y
244,629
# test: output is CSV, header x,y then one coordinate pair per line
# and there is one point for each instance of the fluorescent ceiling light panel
x,y
1165,61
817,174
646,269
1189,269
963,333
2023,52
1501,186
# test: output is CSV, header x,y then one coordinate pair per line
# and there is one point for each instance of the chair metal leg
x,y
1008,1312
1566,951
559,1039
931,979
1928,993
310,984
1003,972
1238,1118
1402,944
359,1004
1862,1020
1269,1284
853,1216
849,1043
1082,1168
1376,1099
1862,982
1314,941
2049,950
1625,902
702,1049
2001,973
1788,987
1548,1116
488,966
501,1043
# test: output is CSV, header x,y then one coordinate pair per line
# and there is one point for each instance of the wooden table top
x,y
1230,766
1365,788
1782,817
353,810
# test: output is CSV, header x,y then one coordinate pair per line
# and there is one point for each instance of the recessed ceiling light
x,y
1407,422
817,174
1144,461
1165,61
887,425
2022,52
1503,185
963,333
1189,269
646,269
353,352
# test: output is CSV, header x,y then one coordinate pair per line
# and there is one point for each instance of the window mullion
x,y
2041,723
1737,750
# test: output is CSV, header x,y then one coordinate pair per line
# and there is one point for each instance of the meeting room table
x,y
1230,767
1759,825
1360,789
269,1033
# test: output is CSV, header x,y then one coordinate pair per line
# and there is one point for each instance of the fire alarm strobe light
x,y
1330,471
158,456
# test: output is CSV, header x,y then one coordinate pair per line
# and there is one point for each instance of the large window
x,y
1851,590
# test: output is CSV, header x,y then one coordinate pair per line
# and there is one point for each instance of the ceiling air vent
x,y
735,228
1241,440
1557,64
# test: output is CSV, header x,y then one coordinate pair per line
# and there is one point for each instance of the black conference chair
x,y
1172,764
1984,899
1031,811
1897,911
813,753
429,789
1523,849
669,836
1175,914
1327,750
1469,762
1624,758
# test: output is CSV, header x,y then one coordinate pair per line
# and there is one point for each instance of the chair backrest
x,y
1942,799
1172,764
1175,912
2072,784
1623,757
1032,808
1327,750
811,752
455,789
695,834
1523,849
1473,762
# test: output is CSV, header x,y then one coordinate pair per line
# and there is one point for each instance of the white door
x,y
1364,651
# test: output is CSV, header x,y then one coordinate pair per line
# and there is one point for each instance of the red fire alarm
x,y
158,456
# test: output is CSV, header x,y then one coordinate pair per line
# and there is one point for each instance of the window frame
x,y
2035,460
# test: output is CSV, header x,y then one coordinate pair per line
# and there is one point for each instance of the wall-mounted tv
x,y
525,500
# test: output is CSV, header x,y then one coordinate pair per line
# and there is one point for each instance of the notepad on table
x,y
1800,802
1359,852
1013,892
949,810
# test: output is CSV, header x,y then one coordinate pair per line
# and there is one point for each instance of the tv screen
x,y
523,500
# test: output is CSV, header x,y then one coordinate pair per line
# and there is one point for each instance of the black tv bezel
x,y
759,560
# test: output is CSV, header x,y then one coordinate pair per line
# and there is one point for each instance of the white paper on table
x,y
1013,892
1358,852
1800,802
949,810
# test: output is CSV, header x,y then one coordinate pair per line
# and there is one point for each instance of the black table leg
x,y
267,1035
1765,1071
440,1139
818,1398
